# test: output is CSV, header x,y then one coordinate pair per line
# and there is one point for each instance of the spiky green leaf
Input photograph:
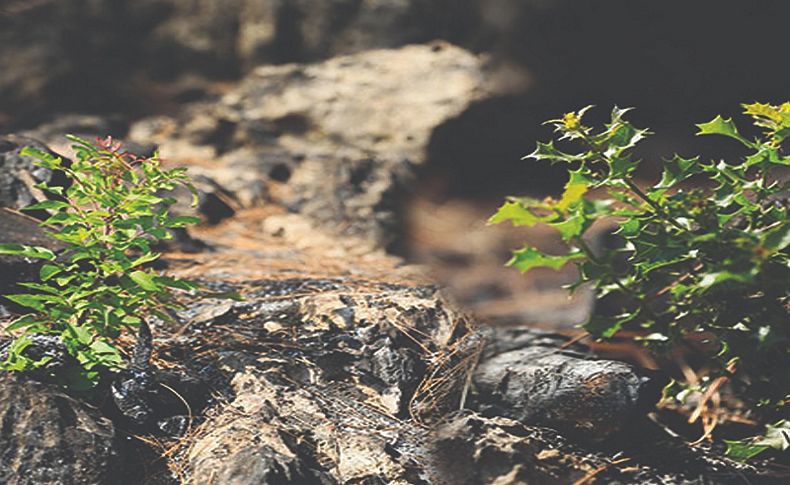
x,y
722,126
528,258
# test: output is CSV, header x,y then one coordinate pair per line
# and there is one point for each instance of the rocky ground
x,y
345,362
343,365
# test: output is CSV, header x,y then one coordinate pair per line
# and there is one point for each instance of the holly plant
x,y
109,219
704,261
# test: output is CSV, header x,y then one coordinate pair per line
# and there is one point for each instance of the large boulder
x,y
336,141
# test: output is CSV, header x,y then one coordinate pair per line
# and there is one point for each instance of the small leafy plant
x,y
704,262
110,217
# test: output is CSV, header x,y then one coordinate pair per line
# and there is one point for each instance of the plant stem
x,y
642,302
598,150
657,208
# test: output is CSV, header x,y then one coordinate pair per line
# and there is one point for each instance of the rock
x,y
149,398
376,101
333,361
500,340
548,386
255,442
49,437
384,338
473,450
337,141
260,464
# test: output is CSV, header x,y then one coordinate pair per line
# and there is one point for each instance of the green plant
x,y
704,263
109,217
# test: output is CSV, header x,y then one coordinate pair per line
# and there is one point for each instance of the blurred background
x,y
102,65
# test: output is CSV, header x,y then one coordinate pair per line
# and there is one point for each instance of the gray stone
x,y
48,437
582,397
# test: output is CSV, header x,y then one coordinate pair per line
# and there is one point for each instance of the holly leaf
x,y
527,258
577,186
677,170
764,110
547,151
723,126
516,213
621,166
571,227
581,216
